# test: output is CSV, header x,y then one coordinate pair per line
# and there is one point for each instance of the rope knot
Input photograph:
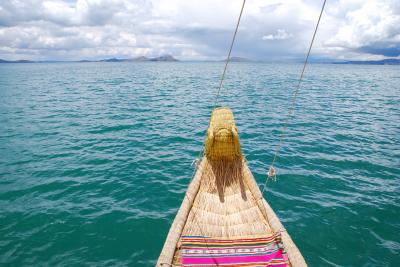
x,y
272,173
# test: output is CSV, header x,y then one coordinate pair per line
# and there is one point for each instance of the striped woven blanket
x,y
199,251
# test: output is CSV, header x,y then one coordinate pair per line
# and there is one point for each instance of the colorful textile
x,y
199,251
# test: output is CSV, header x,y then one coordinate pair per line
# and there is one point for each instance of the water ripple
x,y
95,158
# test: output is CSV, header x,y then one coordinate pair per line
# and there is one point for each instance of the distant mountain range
x,y
16,61
165,58
389,61
169,58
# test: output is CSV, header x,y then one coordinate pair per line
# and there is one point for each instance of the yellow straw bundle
x,y
222,141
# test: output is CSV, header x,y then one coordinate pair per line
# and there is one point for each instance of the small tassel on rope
x,y
272,173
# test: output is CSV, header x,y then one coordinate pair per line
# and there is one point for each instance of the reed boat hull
x,y
223,199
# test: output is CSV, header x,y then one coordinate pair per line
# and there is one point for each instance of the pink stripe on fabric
x,y
233,259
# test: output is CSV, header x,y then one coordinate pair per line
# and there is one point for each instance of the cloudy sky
x,y
197,29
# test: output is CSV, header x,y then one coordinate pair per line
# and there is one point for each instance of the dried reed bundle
x,y
222,141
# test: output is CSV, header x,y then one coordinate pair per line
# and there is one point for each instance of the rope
x,y
197,160
272,171
229,56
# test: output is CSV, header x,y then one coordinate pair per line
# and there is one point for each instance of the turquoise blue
x,y
95,158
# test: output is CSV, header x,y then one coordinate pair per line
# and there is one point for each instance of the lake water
x,y
95,158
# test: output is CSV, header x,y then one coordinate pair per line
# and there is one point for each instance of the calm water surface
x,y
95,157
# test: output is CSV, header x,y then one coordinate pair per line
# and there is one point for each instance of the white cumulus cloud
x,y
197,29
280,34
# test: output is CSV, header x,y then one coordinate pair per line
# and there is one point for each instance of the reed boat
x,y
224,219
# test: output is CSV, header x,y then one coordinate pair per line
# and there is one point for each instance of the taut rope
x,y
229,56
272,171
